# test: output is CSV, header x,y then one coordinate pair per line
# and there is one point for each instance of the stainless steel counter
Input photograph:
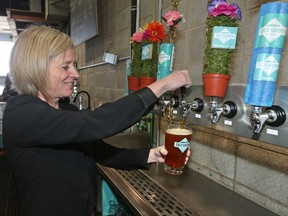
x,y
155,192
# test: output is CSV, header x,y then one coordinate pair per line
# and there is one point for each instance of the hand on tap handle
x,y
171,82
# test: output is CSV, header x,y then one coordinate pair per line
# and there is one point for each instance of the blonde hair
x,y
31,56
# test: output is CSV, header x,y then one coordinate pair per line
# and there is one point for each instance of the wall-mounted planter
x,y
215,84
145,81
133,83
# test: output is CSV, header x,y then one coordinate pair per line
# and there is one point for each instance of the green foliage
x,y
218,61
150,66
136,63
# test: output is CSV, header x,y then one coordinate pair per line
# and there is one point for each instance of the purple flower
x,y
214,4
238,11
145,34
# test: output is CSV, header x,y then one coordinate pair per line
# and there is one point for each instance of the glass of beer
x,y
177,142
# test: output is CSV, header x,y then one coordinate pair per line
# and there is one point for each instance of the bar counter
x,y
155,192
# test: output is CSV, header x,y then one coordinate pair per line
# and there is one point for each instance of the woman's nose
x,y
74,73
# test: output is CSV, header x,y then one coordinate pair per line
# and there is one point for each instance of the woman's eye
x,y
65,67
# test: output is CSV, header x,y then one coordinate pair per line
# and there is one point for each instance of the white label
x,y
198,116
272,132
227,122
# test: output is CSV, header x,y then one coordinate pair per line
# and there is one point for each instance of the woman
x,y
53,148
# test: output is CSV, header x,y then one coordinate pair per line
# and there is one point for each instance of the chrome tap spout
x,y
258,119
215,114
274,116
167,103
79,94
197,105
228,109
185,109
214,110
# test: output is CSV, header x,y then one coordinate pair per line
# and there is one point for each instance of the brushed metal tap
x,y
168,102
274,116
79,97
215,110
258,119
228,109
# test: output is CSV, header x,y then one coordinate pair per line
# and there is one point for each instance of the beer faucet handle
x,y
182,92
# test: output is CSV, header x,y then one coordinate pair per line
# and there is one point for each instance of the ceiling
x,y
16,15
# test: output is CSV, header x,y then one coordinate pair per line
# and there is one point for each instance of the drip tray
x,y
151,197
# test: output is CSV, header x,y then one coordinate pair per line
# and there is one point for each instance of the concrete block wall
x,y
256,170
107,82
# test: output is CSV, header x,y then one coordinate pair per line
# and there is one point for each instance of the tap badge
x,y
272,31
224,37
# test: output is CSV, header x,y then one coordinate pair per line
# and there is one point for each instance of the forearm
x,y
115,157
128,159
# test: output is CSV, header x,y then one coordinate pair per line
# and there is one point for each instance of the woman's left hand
x,y
158,154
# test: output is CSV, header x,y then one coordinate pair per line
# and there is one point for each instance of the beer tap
x,y
274,116
167,103
76,97
197,105
228,109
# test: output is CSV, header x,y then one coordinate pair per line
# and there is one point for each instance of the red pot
x,y
133,83
215,84
145,81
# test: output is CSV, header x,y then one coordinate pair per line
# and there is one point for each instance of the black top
x,y
53,152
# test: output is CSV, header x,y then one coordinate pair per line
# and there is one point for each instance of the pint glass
x,y
177,142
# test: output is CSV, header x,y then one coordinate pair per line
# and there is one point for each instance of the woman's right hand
x,y
171,82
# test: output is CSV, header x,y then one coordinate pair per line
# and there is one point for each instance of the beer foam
x,y
178,131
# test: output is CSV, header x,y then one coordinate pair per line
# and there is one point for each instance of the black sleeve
x,y
119,158
32,122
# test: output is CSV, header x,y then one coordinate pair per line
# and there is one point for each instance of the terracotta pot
x,y
145,81
215,84
133,83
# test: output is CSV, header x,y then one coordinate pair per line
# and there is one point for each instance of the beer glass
x,y
177,142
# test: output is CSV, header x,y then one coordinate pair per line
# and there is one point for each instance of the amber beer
x,y
177,141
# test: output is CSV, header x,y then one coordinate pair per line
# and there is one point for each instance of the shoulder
x,y
21,100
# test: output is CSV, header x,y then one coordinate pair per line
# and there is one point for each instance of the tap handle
x,y
182,92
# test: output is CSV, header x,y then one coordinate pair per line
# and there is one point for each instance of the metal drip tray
x,y
143,195
156,196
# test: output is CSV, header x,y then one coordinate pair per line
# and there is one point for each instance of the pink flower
x,y
171,17
222,8
137,37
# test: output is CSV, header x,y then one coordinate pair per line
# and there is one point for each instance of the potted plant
x,y
136,62
153,35
221,41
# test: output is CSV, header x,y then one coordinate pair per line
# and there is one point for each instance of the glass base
x,y
173,171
